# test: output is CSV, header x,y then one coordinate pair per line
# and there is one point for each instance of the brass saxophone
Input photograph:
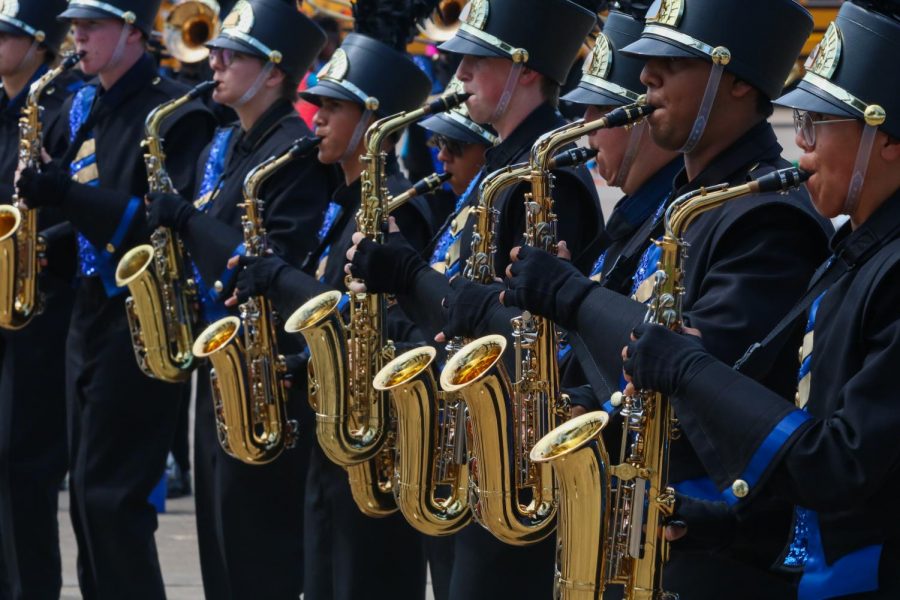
x,y
249,397
353,420
614,536
162,307
514,494
20,246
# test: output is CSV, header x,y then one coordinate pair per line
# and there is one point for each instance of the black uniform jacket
x,y
839,457
294,197
580,220
117,116
748,262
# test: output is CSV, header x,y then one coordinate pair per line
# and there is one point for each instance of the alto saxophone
x,y
515,495
249,396
162,307
20,246
353,420
614,536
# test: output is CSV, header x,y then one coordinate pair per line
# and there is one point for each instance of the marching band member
x,y
831,452
514,68
32,381
263,50
120,422
712,84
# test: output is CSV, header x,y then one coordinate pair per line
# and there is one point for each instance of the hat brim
x,y
11,29
84,12
463,43
228,43
809,97
446,126
328,89
650,46
589,95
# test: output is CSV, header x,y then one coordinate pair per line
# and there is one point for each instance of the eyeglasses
x,y
442,142
224,56
805,124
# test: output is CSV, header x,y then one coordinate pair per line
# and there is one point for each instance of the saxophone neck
x,y
37,88
153,122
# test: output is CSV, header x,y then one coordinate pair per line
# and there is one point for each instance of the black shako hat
x,y
763,38
610,78
273,30
544,34
371,73
36,19
848,74
456,123
140,13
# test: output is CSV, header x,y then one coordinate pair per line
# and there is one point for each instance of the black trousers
x,y
33,458
249,517
121,424
350,555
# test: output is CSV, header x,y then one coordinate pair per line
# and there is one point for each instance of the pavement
x,y
176,537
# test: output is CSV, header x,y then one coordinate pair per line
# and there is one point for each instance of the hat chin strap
x,y
28,55
512,82
874,118
720,58
358,132
257,85
120,47
634,144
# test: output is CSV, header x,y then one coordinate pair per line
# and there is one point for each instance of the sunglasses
x,y
442,142
805,124
224,56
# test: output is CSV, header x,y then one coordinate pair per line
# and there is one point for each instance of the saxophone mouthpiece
x,y
304,146
202,88
72,60
571,158
447,102
781,181
628,115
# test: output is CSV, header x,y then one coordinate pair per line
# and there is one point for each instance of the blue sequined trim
x,y
81,108
598,266
331,216
447,238
215,165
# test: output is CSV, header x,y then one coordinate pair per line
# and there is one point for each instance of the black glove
x,y
661,359
710,525
168,210
547,286
388,268
470,306
47,188
257,274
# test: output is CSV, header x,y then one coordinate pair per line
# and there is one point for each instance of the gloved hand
x,y
708,525
47,188
470,306
659,359
168,210
257,274
388,268
295,367
546,286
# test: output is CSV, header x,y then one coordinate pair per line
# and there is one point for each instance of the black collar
x,y
542,119
13,106
248,141
854,246
141,73
733,165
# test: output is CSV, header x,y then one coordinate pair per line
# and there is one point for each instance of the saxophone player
x,y
513,66
712,85
264,49
32,383
120,423
829,449
350,555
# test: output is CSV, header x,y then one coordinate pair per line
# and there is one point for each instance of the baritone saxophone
x,y
20,246
515,495
615,535
162,307
353,419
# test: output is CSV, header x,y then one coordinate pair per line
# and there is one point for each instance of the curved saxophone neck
x,y
153,122
380,130
499,180
37,88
